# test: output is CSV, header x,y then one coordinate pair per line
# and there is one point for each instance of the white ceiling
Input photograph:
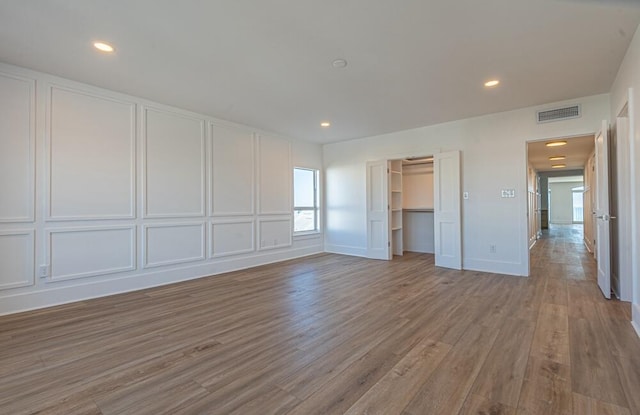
x,y
576,151
268,63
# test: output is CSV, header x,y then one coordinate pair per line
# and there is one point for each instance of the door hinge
x,y
387,170
389,244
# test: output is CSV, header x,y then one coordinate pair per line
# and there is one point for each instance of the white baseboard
x,y
346,250
51,295
635,318
588,245
498,267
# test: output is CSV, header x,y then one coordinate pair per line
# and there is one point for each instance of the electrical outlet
x,y
492,249
44,271
465,195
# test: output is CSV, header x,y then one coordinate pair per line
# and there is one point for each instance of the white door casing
x,y
378,213
447,215
603,247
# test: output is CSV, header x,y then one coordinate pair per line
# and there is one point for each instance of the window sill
x,y
307,235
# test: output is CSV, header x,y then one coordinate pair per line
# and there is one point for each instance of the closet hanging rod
x,y
419,163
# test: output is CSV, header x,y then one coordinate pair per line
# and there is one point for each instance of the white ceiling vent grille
x,y
559,114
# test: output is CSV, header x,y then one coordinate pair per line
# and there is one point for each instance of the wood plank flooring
x,y
334,334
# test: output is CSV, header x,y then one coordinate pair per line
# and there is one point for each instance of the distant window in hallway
x,y
578,204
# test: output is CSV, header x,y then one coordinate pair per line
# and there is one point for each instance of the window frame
x,y
316,202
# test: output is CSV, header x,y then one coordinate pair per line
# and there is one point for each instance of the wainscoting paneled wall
x,y
102,193
17,148
16,258
174,165
90,147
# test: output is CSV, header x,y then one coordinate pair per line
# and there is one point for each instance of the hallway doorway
x,y
562,247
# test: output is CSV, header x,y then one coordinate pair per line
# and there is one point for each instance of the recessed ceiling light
x,y
491,83
554,158
556,143
339,63
558,166
325,124
103,47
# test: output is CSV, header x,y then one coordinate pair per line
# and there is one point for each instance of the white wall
x,y
493,158
629,77
561,198
131,194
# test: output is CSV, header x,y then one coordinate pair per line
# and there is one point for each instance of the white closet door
x,y
448,241
378,244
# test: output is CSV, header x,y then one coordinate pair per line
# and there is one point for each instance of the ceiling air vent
x,y
558,114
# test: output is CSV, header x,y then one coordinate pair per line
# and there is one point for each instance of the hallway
x,y
602,347
564,245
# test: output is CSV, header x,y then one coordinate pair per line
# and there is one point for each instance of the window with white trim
x,y
305,200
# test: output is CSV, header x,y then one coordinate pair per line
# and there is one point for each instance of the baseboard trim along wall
x,y
346,250
635,319
498,267
87,289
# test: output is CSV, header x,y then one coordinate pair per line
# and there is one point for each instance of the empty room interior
x,y
337,207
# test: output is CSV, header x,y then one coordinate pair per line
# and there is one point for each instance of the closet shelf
x,y
418,209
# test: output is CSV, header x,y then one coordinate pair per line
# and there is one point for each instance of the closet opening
x,y
413,204
412,208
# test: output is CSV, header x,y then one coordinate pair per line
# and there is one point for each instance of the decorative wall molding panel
x,y
17,148
17,267
274,175
274,233
91,156
108,212
232,171
173,243
232,237
90,251
174,164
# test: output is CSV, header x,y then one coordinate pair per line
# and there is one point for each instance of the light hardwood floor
x,y
335,334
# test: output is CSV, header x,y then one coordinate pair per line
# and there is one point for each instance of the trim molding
x,y
145,243
49,246
289,242
52,295
635,319
346,250
31,278
497,267
146,109
49,217
212,174
212,247
30,217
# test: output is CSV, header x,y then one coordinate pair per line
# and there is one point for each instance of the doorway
x,y
561,187
424,192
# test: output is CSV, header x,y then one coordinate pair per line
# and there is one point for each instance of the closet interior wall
x,y
417,207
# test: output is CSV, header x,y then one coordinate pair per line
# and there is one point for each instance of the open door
x,y
447,218
538,208
378,213
603,247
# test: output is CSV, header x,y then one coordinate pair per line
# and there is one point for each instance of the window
x,y
305,200
578,214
